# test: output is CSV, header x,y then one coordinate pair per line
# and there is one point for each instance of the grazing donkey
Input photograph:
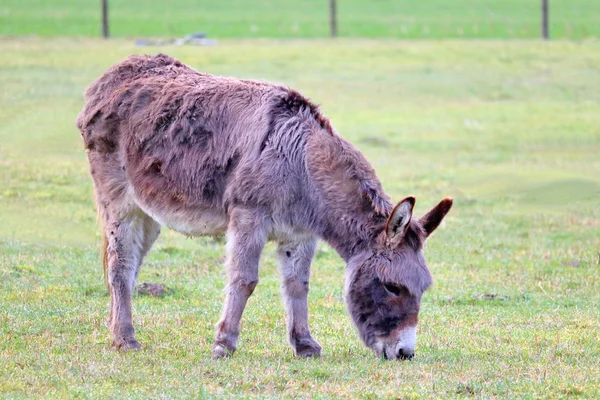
x,y
207,155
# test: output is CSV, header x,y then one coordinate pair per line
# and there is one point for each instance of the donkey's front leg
x,y
294,261
246,237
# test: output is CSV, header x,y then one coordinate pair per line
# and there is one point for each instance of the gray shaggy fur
x,y
207,155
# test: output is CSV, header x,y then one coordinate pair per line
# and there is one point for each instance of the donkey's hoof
x,y
126,344
220,351
307,347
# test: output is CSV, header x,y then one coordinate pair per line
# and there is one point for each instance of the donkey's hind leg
x,y
246,237
294,262
129,237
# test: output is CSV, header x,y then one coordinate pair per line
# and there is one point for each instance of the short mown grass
x,y
511,130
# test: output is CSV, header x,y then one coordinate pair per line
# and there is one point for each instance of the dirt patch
x,y
152,289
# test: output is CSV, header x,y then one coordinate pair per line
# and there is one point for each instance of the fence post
x,y
105,19
545,19
332,18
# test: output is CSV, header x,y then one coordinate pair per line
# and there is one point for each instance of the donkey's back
x,y
183,146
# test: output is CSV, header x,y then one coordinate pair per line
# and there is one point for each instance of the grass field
x,y
574,19
511,130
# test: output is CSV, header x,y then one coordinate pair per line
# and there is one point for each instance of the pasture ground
x,y
511,130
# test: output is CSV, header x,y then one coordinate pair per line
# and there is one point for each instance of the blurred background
x,y
400,19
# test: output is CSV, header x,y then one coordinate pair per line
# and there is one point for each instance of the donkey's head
x,y
384,285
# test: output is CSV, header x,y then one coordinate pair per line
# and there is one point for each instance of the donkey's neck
x,y
348,235
350,205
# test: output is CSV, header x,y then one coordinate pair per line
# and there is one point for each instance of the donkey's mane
x,y
294,101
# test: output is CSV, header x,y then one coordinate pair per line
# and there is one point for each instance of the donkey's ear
x,y
399,219
432,219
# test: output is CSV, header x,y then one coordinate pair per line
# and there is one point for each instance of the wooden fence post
x,y
545,19
105,19
332,18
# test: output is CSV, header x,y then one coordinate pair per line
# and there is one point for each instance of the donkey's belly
x,y
191,221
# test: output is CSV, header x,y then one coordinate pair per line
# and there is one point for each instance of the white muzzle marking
x,y
407,340
401,346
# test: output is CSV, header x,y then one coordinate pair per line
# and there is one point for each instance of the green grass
x,y
509,129
574,19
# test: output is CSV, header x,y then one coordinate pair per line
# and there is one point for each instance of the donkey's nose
x,y
405,354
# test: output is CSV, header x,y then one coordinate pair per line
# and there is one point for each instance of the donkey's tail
x,y
104,247
105,258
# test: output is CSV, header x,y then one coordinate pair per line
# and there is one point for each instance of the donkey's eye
x,y
393,289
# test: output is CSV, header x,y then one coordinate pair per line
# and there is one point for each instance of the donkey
x,y
207,155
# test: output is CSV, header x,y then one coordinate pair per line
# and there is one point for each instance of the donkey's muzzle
x,y
400,354
405,354
400,345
